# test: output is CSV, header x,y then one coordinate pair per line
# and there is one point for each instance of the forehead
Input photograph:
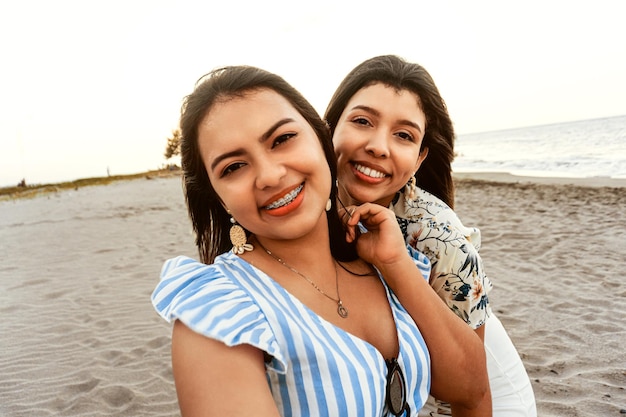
x,y
246,115
399,106
383,93
258,104
241,121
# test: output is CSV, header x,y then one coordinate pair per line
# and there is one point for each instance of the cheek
x,y
343,157
317,165
411,161
339,135
342,146
227,192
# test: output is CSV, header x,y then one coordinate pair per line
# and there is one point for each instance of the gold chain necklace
x,y
341,310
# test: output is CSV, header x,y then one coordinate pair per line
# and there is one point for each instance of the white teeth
x,y
369,171
286,199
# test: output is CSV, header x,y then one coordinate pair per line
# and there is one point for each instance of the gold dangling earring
x,y
411,188
238,239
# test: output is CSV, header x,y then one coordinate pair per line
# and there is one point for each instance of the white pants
x,y
511,392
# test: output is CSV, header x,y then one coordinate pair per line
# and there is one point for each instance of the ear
x,y
422,156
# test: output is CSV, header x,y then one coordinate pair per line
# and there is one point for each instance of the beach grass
x,y
33,190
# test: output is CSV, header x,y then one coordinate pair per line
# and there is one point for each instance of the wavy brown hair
x,y
210,221
435,173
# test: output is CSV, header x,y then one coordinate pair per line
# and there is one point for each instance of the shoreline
x,y
507,178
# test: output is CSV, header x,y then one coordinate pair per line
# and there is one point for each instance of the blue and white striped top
x,y
317,369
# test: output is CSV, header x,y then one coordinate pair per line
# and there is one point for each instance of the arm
x,y
459,373
484,408
213,379
457,277
481,332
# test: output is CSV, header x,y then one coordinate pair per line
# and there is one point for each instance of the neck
x,y
345,199
310,249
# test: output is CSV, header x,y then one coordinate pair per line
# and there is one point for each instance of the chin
x,y
365,197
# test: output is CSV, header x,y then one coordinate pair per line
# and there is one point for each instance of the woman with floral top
x,y
388,121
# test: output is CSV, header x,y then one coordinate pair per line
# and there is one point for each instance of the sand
x,y
79,336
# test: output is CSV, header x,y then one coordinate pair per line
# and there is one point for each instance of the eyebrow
x,y
269,132
240,151
377,114
221,157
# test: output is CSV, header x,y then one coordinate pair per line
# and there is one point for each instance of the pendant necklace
x,y
341,310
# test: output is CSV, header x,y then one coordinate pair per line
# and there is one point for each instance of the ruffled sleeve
x,y
210,302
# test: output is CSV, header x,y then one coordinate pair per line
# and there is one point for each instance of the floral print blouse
x,y
457,276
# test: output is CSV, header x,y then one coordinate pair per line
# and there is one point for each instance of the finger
x,y
370,216
350,235
351,211
345,211
362,214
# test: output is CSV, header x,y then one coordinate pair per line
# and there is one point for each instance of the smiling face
x,y
266,164
377,141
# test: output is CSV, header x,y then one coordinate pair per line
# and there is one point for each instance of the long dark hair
x,y
435,173
209,219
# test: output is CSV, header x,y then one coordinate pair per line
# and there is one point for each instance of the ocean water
x,y
580,149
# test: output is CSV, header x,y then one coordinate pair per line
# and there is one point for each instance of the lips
x,y
369,172
285,199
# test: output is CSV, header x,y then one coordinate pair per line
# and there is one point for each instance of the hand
x,y
383,244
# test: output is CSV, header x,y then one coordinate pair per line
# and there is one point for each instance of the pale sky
x,y
87,86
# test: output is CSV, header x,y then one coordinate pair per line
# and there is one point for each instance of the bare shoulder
x,y
208,373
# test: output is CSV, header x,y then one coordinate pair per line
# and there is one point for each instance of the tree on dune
x,y
173,144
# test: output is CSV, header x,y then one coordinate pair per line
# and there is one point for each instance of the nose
x,y
377,145
269,172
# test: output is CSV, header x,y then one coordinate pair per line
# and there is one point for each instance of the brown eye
x,y
231,168
405,136
282,139
361,121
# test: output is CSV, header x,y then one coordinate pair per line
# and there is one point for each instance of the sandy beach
x,y
79,336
